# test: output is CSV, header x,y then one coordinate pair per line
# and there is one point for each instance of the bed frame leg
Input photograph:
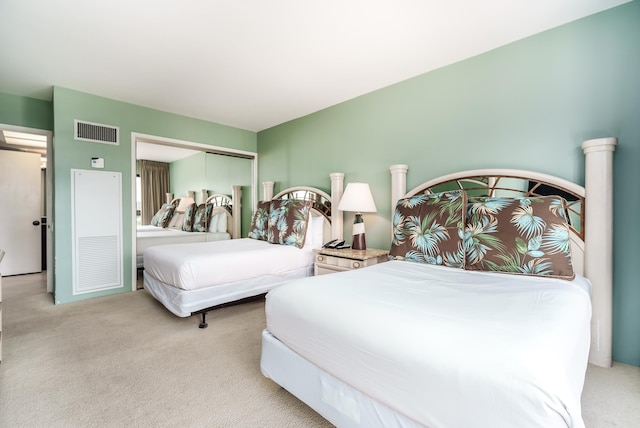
x,y
203,324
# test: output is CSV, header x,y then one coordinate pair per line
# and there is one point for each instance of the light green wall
x,y
187,174
217,174
527,105
68,154
27,112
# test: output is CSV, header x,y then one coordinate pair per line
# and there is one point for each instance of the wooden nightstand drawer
x,y
329,261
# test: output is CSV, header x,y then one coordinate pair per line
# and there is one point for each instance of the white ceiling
x,y
253,64
161,152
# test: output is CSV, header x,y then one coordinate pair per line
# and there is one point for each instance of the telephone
x,y
335,244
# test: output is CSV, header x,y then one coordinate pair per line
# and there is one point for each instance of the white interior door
x,y
20,230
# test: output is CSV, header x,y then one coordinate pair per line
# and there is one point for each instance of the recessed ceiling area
x,y
253,64
155,151
25,142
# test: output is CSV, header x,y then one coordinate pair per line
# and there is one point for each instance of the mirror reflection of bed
x,y
192,173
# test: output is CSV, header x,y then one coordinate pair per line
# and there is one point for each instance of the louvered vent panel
x,y
97,133
98,263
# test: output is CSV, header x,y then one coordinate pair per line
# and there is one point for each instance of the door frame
x,y
48,195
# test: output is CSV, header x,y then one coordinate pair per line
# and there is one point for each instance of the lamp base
x,y
359,241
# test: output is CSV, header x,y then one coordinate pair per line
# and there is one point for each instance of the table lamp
x,y
357,198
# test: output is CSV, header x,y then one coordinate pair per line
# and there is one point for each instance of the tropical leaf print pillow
x,y
527,236
189,215
260,221
429,229
288,220
164,214
202,217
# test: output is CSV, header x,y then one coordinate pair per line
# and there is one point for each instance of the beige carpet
x,y
125,361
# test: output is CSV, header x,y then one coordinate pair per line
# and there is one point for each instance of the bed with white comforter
x,y
440,346
191,277
486,317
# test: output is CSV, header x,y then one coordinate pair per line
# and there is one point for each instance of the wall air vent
x,y
96,133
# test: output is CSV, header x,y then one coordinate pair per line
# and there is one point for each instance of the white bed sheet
x,y
149,228
442,346
160,236
200,265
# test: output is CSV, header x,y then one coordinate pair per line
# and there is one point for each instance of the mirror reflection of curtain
x,y
154,182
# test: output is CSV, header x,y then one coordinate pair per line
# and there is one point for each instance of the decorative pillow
x,y
161,218
201,217
527,236
218,221
288,220
429,229
189,214
213,221
260,221
315,232
222,222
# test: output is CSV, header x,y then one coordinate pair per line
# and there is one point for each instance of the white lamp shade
x,y
184,203
357,198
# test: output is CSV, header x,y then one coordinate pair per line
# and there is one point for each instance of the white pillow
x,y
213,222
222,223
218,221
315,232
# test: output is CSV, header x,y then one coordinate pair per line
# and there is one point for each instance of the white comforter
x,y
152,238
199,265
445,347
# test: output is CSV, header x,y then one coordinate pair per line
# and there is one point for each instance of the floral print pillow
x,y
288,220
164,214
260,221
527,236
429,229
189,215
201,217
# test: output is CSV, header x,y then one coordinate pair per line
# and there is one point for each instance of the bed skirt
x,y
336,401
183,303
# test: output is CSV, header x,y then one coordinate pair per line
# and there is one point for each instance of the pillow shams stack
x,y
526,236
281,221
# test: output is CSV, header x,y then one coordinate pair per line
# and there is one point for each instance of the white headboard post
x,y
337,218
398,185
169,197
598,232
267,190
236,211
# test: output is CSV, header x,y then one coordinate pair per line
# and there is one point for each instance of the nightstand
x,y
330,261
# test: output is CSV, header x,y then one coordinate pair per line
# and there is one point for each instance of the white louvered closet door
x,y
97,230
